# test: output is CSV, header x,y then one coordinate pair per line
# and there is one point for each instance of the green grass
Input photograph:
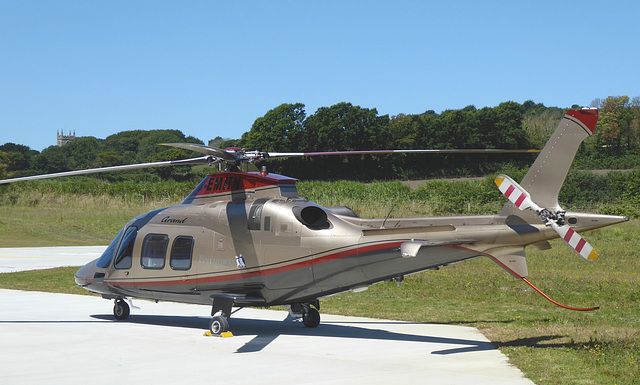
x,y
69,221
58,280
549,344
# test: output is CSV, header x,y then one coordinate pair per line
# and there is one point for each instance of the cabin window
x,y
154,251
125,251
181,253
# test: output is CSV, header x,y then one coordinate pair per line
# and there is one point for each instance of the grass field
x,y
549,344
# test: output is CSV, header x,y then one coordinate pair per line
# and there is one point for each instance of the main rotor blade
x,y
200,160
576,242
463,151
201,148
515,193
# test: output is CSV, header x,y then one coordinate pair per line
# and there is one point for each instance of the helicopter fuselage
x,y
251,237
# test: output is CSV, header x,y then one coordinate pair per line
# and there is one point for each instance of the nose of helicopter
x,y
91,277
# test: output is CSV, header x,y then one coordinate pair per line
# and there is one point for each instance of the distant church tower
x,y
64,139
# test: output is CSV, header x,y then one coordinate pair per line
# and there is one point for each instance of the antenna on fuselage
x,y
388,215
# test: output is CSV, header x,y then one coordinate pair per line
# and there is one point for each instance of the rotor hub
x,y
548,217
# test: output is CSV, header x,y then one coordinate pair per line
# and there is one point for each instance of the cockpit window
x,y
107,255
125,251
154,251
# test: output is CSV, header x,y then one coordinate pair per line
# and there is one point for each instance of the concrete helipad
x,y
70,339
32,258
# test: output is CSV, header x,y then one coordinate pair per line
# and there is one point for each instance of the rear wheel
x,y
311,318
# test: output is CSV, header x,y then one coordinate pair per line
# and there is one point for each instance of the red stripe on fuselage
x,y
248,274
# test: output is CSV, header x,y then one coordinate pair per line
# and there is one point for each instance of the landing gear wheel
x,y
311,318
121,310
218,325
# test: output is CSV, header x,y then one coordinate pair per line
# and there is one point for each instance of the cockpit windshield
x,y
107,255
125,251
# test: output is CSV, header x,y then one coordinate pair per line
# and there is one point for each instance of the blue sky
x,y
210,68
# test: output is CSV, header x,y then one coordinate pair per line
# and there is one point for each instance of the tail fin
x,y
548,172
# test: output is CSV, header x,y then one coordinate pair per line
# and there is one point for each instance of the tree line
x,y
127,147
344,126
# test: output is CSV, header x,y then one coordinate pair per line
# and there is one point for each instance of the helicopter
x,y
244,237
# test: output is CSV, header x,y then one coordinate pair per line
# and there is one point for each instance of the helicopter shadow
x,y
267,331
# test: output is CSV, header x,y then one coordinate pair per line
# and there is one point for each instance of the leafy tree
x,y
230,143
405,130
344,126
125,144
16,161
51,159
19,157
278,130
618,124
507,126
106,159
82,152
340,127
215,142
458,129
540,122
149,147
4,162
12,147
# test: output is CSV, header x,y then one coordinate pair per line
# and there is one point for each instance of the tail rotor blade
x,y
515,193
522,200
575,241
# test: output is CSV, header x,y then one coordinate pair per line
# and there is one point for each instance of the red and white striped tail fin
x,y
515,193
576,242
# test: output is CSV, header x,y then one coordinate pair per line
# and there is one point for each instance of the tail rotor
x,y
554,219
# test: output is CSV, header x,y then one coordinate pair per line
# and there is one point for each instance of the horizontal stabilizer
x,y
513,260
411,249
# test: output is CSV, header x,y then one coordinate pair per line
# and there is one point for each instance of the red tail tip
x,y
588,117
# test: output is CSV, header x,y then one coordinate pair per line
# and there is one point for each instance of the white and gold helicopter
x,y
246,238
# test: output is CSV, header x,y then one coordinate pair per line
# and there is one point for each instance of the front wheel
x,y
311,318
121,310
218,325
